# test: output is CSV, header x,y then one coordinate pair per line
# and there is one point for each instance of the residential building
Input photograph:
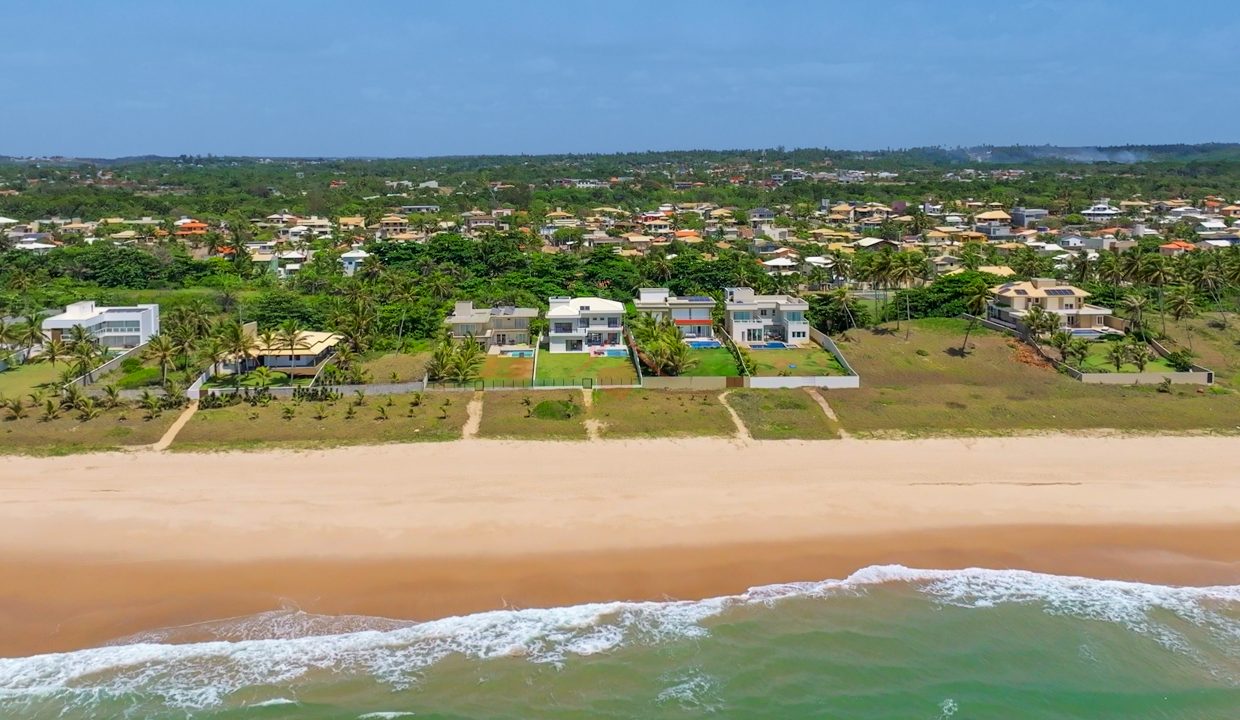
x,y
761,215
1100,213
1028,217
393,225
493,327
1013,300
753,318
113,327
1176,248
690,313
585,324
305,359
352,261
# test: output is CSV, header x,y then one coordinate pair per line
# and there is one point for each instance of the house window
x,y
742,316
563,327
795,316
798,334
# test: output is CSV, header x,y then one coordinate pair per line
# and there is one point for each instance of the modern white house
x,y
690,313
1101,212
585,324
113,327
757,319
352,260
496,327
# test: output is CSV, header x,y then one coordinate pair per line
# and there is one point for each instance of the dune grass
x,y
782,415
660,414
534,415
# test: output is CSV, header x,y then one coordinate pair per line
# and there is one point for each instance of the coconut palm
x,y
212,351
54,350
111,397
1117,355
1135,305
1061,340
290,337
1138,353
162,351
16,408
1039,322
1154,270
976,298
1182,304
51,410
262,377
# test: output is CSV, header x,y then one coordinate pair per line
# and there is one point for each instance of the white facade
x,y
352,260
691,314
584,324
1100,213
753,318
113,327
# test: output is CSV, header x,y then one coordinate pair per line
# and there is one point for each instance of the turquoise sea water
x,y
888,642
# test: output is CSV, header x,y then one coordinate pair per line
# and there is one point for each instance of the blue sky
x,y
420,78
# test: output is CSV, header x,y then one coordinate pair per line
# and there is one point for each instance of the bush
x,y
139,378
130,364
1181,360
556,410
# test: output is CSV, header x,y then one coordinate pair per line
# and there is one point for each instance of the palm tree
x,y
84,355
1153,269
213,351
1038,322
162,351
1182,304
976,298
1135,305
53,350
16,408
290,337
1138,353
262,377
1117,354
1061,340
29,336
111,396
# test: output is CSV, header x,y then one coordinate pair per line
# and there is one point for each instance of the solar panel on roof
x,y
1022,292
700,298
1059,291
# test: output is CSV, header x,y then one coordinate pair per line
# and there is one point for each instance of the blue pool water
x,y
704,344
517,353
1087,334
616,353
768,346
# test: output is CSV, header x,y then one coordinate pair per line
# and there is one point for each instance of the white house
x,y
113,327
753,318
353,260
690,313
585,324
1100,213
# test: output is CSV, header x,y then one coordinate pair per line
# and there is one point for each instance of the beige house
x,y
1013,300
493,327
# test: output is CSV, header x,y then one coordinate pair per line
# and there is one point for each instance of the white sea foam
x,y
274,702
289,646
388,715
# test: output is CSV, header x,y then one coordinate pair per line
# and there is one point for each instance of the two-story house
x,y
493,327
113,327
690,313
585,324
1013,300
753,318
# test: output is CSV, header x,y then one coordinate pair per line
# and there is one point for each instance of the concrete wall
x,y
109,365
831,382
829,345
684,383
1148,378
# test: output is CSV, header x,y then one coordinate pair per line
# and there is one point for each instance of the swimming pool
x,y
517,353
704,344
1088,334
768,346
615,353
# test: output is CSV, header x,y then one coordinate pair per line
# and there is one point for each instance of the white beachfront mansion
x,y
113,327
584,324
690,313
753,318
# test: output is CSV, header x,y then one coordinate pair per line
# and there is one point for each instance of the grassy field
x,y
501,367
536,415
117,428
278,379
782,415
714,362
245,427
923,386
407,368
566,367
798,362
17,381
1214,346
662,414
1097,362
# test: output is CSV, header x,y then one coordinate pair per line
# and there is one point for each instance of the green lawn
x,y
782,415
245,427
113,429
799,362
922,386
568,367
506,368
1097,362
713,362
278,379
20,380
660,414
407,367
534,415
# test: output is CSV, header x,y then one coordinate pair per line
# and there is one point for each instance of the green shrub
x,y
140,378
556,410
130,364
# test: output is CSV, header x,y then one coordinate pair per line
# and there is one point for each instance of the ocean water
x,y
887,642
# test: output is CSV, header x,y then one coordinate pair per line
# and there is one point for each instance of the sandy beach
x,y
97,547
